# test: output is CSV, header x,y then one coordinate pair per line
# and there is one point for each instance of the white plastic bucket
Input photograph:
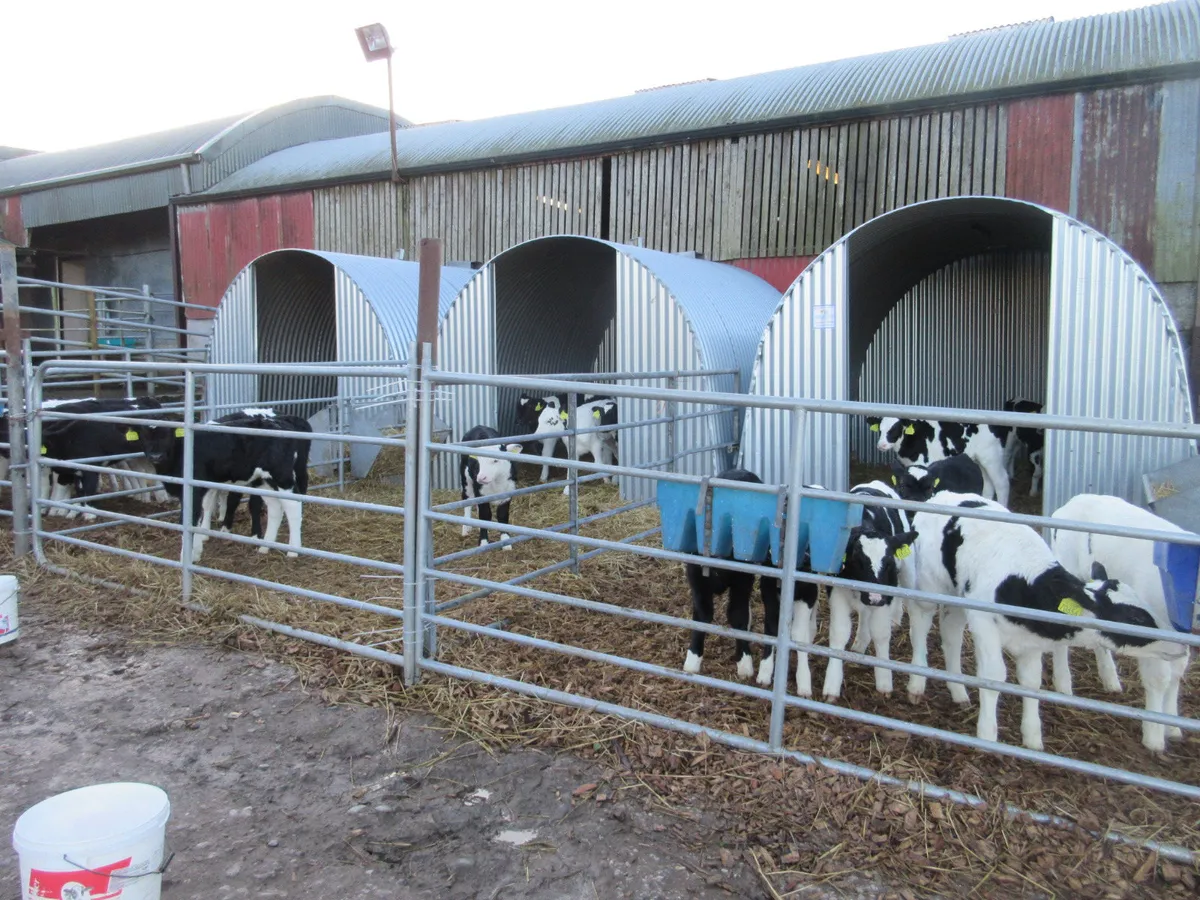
x,y
10,591
95,843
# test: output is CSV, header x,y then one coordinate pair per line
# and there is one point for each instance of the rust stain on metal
x,y
778,271
218,240
12,227
1119,166
1040,141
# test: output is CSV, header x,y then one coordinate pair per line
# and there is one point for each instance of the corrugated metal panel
x,y
93,199
1009,61
466,343
362,219
971,335
1114,353
234,340
803,353
1175,200
1039,150
218,240
1118,166
12,226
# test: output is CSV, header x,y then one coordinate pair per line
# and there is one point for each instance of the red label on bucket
x,y
77,885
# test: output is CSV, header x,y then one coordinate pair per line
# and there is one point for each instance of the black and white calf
x,y
543,416
256,460
1033,440
483,476
1009,565
923,441
709,581
602,445
227,501
954,473
1131,561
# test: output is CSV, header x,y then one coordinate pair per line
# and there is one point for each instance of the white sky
x,y
82,73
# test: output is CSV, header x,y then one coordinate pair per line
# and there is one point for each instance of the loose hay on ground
x,y
795,818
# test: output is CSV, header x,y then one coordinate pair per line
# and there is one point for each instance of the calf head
x,y
551,419
160,443
529,408
1117,601
914,482
494,471
874,557
891,431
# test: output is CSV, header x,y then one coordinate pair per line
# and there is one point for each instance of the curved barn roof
x,y
1118,47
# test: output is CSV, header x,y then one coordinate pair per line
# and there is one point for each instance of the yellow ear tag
x,y
936,482
473,457
563,415
904,551
178,432
874,427
131,435
909,429
596,414
539,407
1069,607
894,481
43,450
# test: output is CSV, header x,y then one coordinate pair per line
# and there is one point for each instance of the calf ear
x,y
1099,573
514,448
902,544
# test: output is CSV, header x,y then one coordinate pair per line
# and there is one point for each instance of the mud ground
x,y
277,794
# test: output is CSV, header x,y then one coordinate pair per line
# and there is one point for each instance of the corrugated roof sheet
x,y
1005,62
150,151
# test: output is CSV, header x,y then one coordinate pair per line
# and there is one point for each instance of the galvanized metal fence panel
x,y
971,335
235,340
467,343
802,354
1114,352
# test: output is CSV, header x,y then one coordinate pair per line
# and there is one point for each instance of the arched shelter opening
x,y
567,305
965,302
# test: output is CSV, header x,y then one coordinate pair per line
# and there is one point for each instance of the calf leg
x,y
738,612
920,621
1035,460
769,588
839,636
226,506
1156,681
1109,679
294,510
502,518
202,509
1178,669
880,620
485,515
804,628
274,520
1029,675
989,664
547,450
953,624
702,611
468,511
1060,666
256,512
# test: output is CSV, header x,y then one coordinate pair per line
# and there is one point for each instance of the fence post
x,y
412,522
673,414
787,590
187,501
573,476
18,473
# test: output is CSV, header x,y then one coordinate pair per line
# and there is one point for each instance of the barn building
x,y
1095,117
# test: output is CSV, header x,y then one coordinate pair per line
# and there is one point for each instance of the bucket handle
x,y
157,871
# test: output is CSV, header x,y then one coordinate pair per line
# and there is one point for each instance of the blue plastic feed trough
x,y
682,529
1179,566
829,525
742,524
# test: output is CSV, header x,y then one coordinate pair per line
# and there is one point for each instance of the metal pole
x,y
187,511
787,591
673,413
392,121
18,474
412,522
93,337
425,586
573,476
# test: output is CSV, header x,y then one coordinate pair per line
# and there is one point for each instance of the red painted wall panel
x,y
218,240
1118,166
777,271
12,228
1040,143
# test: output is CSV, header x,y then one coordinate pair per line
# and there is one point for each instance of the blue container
x,y
682,529
1179,567
829,524
742,522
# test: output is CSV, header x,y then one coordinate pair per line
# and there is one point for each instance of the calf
x,y
960,474
921,441
1010,565
708,581
1132,561
1032,439
259,461
228,501
602,445
483,476
544,416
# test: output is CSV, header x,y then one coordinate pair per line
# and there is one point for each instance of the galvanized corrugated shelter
x,y
577,304
965,302
1161,40
291,306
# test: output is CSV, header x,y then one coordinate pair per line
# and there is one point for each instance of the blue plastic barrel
x,y
1179,567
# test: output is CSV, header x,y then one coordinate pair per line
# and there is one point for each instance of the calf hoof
x,y
508,546
766,671
88,517
466,529
483,542
264,550
292,554
692,663
224,530
745,667
916,699
1034,744
1174,733
832,698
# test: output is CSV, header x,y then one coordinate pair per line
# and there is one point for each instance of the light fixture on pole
x,y
375,45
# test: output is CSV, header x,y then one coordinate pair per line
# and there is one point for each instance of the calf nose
x,y
883,444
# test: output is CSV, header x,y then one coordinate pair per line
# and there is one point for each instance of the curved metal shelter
x,y
965,302
291,306
559,305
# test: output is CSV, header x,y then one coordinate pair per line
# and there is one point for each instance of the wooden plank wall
x,y
359,218
478,214
793,193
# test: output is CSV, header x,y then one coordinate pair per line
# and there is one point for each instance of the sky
x,y
83,73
